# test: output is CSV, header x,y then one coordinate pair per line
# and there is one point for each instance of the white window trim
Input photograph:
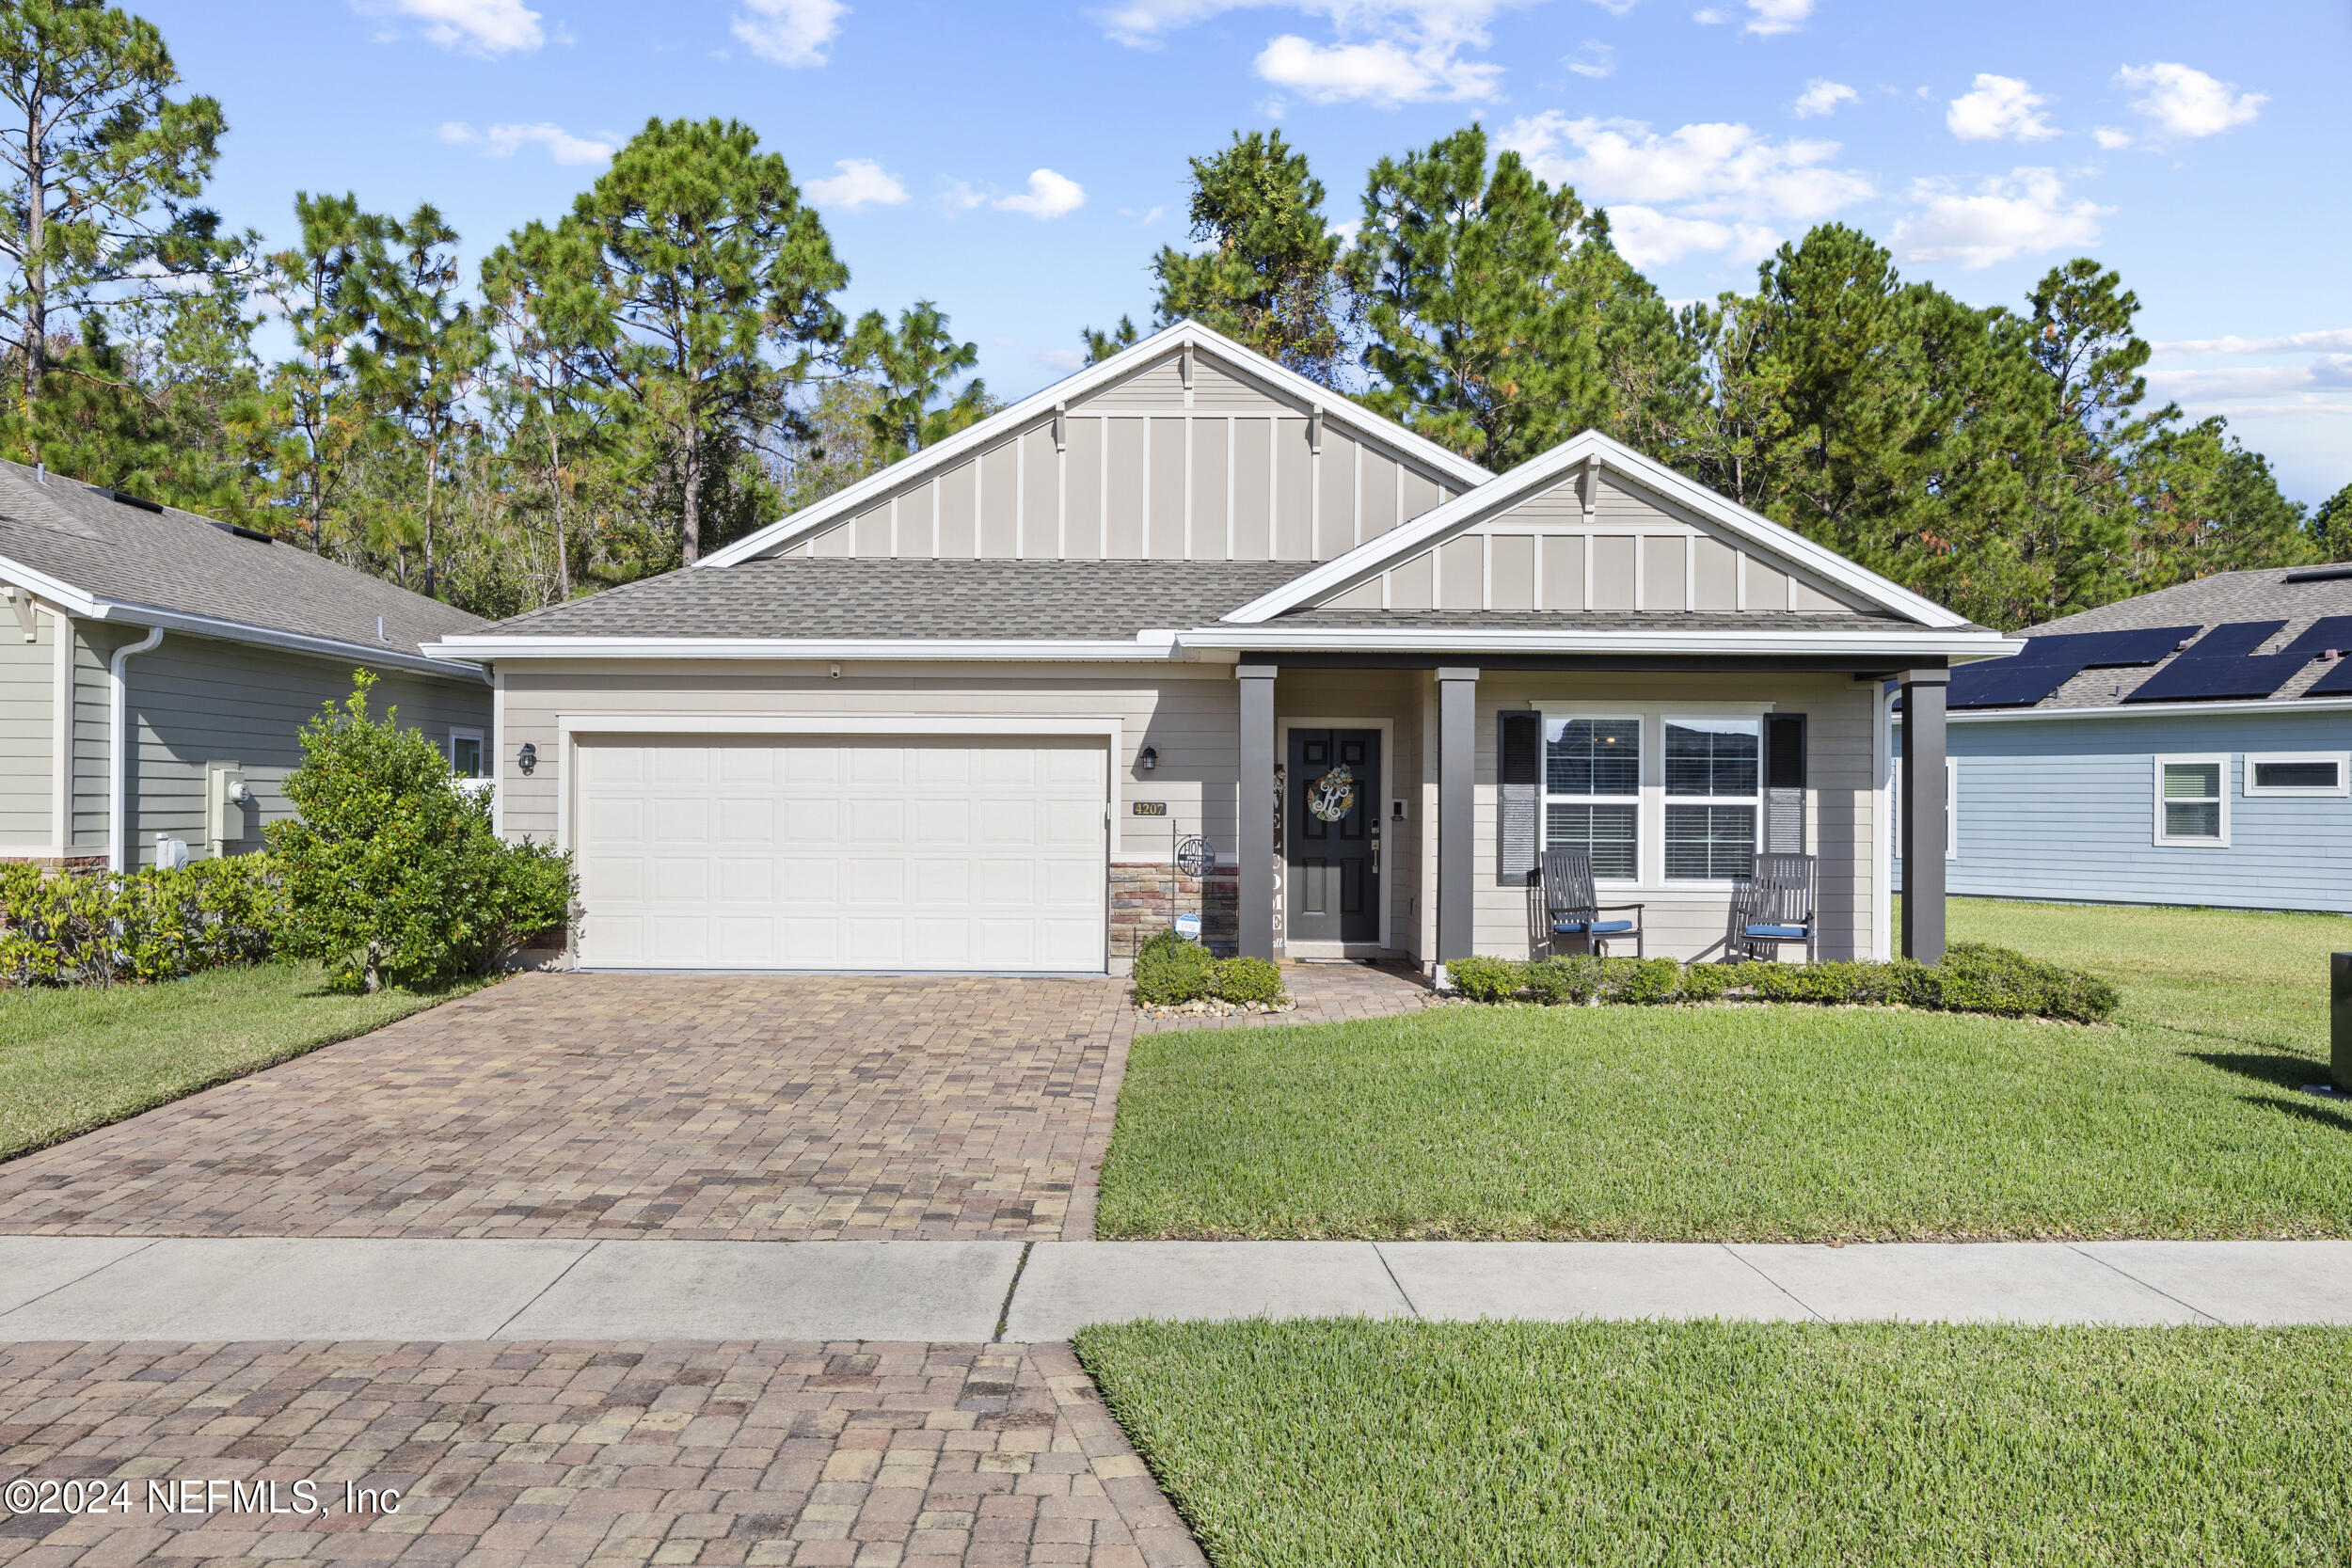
x,y
482,747
1755,803
2257,791
2159,836
1644,834
1895,808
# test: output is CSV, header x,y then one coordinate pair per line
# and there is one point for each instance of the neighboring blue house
x,y
2192,746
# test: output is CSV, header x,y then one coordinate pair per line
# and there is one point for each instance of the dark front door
x,y
1333,830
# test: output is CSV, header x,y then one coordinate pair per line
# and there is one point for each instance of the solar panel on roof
x,y
2049,663
2221,664
2328,631
2337,682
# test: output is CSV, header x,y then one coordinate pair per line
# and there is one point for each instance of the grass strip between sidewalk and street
x,y
1302,1444
71,1060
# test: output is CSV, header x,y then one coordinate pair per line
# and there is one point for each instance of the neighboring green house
x,y
210,646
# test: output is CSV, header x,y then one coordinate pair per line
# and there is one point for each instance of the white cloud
x,y
957,195
1712,17
1346,231
1593,60
1778,16
2185,101
2111,138
2026,212
2330,372
2332,339
504,141
1714,171
1049,195
1062,359
1617,7
789,32
1998,107
1821,97
1381,51
1647,237
862,183
477,26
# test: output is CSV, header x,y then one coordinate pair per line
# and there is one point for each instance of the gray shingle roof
x,y
837,597
2208,602
179,562
1591,620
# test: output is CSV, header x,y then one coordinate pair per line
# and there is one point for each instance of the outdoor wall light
x,y
528,758
1149,759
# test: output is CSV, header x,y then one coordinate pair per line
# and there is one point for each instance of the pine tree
x,y
910,367
321,412
427,348
1269,276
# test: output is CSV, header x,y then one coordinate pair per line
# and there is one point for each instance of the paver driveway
x,y
704,1107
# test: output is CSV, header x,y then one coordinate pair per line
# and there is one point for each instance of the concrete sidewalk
x,y
133,1288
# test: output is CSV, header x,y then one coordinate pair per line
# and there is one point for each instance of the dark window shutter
x,y
1519,773
1783,782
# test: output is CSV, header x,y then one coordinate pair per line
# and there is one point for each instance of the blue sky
x,y
1019,163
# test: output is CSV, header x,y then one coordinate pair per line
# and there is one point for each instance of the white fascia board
x,y
2148,710
1962,646
1337,408
1342,572
59,592
1150,646
267,636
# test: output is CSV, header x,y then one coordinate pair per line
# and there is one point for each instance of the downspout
x,y
118,764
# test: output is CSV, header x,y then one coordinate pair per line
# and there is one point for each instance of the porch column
x,y
1922,813
1457,797
1257,806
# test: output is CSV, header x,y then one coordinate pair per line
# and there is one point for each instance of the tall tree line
x,y
666,366
2006,462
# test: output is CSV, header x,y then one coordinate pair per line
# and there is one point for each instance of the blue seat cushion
x,y
1792,932
1589,928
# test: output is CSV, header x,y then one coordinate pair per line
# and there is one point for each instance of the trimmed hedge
x,y
1973,978
1171,970
95,929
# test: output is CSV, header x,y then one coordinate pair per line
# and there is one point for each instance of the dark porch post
x,y
1457,783
1922,813
1257,806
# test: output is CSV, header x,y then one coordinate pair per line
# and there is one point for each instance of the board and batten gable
x,y
1150,468
2064,810
1636,551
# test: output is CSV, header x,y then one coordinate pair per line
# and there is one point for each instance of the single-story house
x,y
2190,746
1188,630
205,646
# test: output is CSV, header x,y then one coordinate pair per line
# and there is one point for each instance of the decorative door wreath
x,y
1333,796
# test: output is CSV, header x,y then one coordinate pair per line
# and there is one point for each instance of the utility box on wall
x,y
226,799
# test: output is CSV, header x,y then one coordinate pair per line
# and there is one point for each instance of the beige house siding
x,y
1638,550
28,759
1842,816
1149,469
1187,714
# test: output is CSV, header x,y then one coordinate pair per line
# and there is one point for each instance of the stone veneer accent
x,y
1146,896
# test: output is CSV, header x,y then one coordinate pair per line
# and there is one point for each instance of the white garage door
x,y
834,853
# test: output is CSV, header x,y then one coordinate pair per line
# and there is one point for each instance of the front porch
x,y
1412,800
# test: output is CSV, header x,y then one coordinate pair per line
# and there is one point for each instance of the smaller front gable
x,y
1634,551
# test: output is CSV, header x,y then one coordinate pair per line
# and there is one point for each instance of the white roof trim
x,y
74,602
1336,409
2149,710
1345,571
1159,645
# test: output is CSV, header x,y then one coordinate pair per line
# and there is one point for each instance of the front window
x,y
464,754
2297,773
2191,808
1712,767
1592,792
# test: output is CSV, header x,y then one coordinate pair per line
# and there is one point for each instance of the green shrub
x,y
1569,979
1171,970
96,928
1642,982
1709,982
394,872
1976,977
1242,980
1483,978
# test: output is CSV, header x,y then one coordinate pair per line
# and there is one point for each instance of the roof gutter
x,y
1156,646
2147,710
267,636
117,743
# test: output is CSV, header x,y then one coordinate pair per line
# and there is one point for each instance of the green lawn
x,y
71,1060
1776,1123
1320,1443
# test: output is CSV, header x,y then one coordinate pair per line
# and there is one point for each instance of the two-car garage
x,y
843,851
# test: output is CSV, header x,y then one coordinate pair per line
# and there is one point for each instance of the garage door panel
x,y
817,852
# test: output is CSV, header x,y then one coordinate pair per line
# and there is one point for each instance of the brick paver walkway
x,y
701,1107
548,1456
